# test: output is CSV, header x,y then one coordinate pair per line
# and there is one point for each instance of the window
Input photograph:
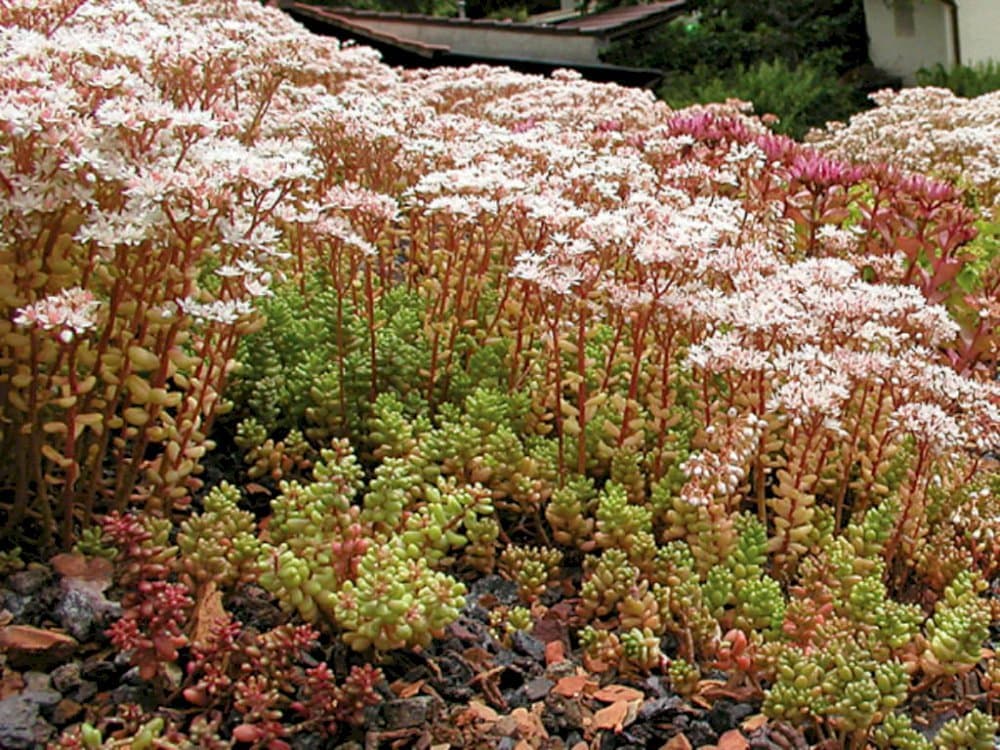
x,y
903,17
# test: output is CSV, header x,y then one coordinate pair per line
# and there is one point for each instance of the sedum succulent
x,y
396,601
219,544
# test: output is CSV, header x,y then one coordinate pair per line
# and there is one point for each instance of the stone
x,y
538,688
36,681
80,610
46,700
66,711
528,645
726,714
85,691
66,678
26,582
408,712
308,741
100,671
21,725
29,647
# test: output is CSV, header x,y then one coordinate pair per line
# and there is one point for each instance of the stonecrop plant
x,y
466,321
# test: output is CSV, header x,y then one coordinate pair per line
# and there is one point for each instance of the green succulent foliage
x,y
760,604
278,365
870,535
618,520
608,580
396,601
91,543
641,648
960,624
570,512
398,484
393,430
304,515
840,684
220,544
896,732
895,623
974,731
435,529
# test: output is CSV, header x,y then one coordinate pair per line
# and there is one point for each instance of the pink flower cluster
x,y
68,313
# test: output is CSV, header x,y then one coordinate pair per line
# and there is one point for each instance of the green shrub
x,y
964,80
802,97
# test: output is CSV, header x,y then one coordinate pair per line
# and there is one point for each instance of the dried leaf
x,y
615,693
713,690
529,723
404,689
611,717
480,711
83,568
555,652
34,648
208,613
733,740
754,723
572,686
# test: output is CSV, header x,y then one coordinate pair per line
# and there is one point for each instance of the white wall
x,y
979,25
482,39
900,53
931,41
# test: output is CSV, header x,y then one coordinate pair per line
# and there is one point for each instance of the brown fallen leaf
x,y
404,689
208,614
733,740
83,568
614,693
754,723
611,717
529,723
478,711
677,742
555,653
572,686
27,646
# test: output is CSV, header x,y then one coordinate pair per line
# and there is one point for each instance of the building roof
x,y
364,27
614,22
355,27
624,19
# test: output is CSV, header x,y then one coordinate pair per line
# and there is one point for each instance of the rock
x,y
15,603
308,741
81,610
493,587
21,725
100,671
85,691
26,582
66,678
35,648
66,711
36,681
700,733
661,708
528,645
408,712
129,694
46,700
538,688
726,714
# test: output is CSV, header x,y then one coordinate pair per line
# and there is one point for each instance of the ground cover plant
x,y
530,403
